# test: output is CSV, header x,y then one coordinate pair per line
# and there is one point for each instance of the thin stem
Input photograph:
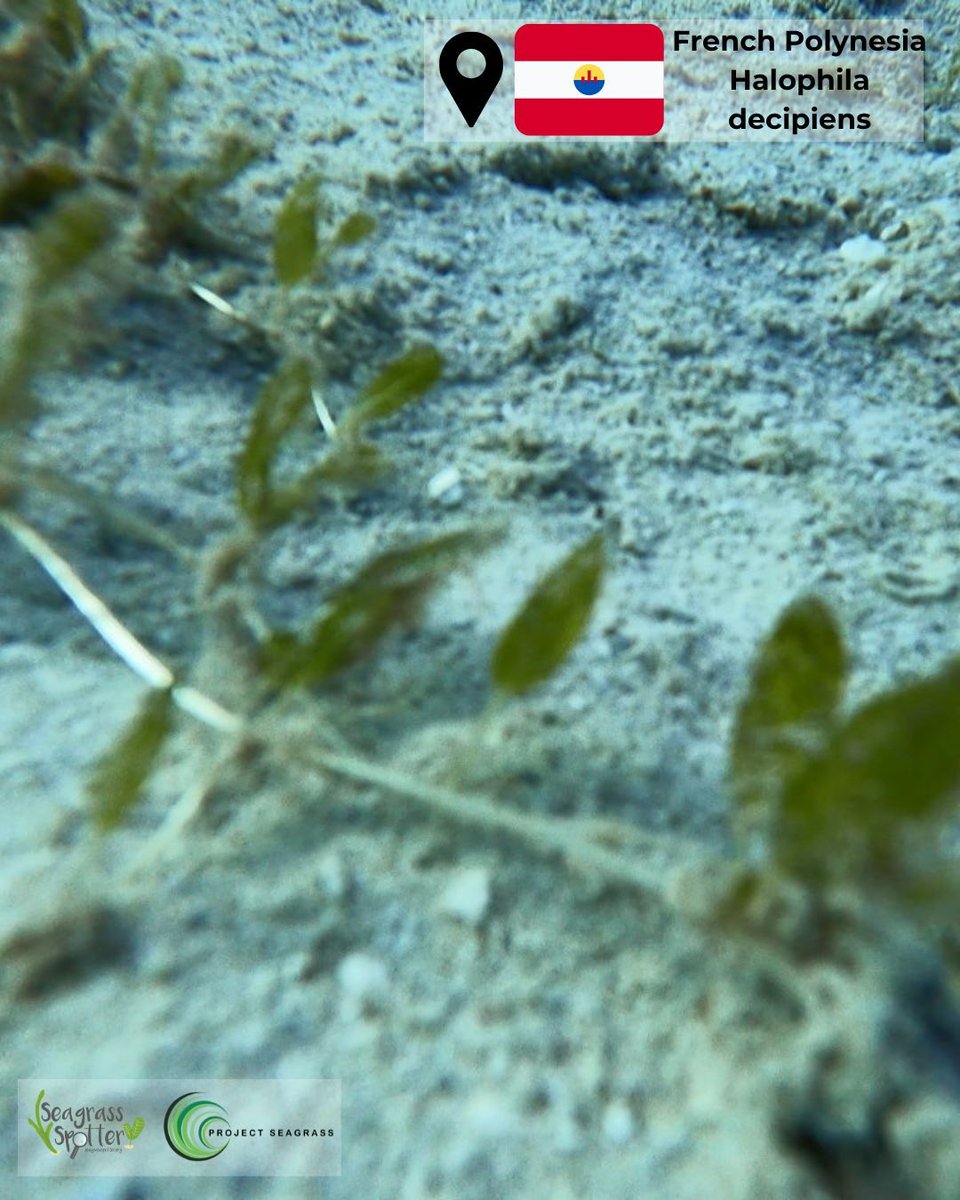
x,y
180,816
324,416
104,509
118,637
547,837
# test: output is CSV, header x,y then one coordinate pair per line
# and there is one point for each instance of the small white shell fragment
x,y
466,897
446,485
364,982
863,251
617,1123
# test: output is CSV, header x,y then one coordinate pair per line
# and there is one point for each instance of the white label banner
x,y
178,1127
744,80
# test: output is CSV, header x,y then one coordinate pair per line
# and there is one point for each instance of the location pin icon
x,y
471,95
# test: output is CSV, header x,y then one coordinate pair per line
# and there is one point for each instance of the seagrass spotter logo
x,y
190,1126
91,1128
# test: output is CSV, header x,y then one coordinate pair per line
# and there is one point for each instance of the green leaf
x,y
231,158
282,400
153,85
233,155
68,239
348,467
27,192
150,95
349,633
893,765
66,26
118,778
295,233
73,108
354,229
400,382
25,355
60,246
386,594
423,562
551,622
796,687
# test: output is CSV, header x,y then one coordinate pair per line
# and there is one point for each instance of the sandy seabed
x,y
740,362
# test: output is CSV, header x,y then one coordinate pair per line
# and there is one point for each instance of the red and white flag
x,y
588,80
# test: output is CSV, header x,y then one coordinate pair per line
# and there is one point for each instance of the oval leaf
x,y
894,764
280,403
386,594
26,353
354,229
153,85
403,380
796,687
67,28
349,467
295,233
150,95
68,239
551,622
231,157
118,778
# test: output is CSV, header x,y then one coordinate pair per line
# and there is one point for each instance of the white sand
x,y
681,346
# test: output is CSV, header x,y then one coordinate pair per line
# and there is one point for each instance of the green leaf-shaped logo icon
x,y
43,1131
133,1131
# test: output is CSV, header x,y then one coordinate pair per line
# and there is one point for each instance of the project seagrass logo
x,y
199,1129
70,1128
190,1125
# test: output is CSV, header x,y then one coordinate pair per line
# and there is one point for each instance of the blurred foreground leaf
x,y
386,594
797,684
21,358
118,778
348,467
66,26
295,232
400,382
60,247
68,239
153,84
354,229
551,622
149,98
26,192
893,765
230,158
282,400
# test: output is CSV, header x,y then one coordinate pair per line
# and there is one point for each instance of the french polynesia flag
x,y
588,80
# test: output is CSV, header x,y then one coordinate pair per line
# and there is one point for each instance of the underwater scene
x,y
479,618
